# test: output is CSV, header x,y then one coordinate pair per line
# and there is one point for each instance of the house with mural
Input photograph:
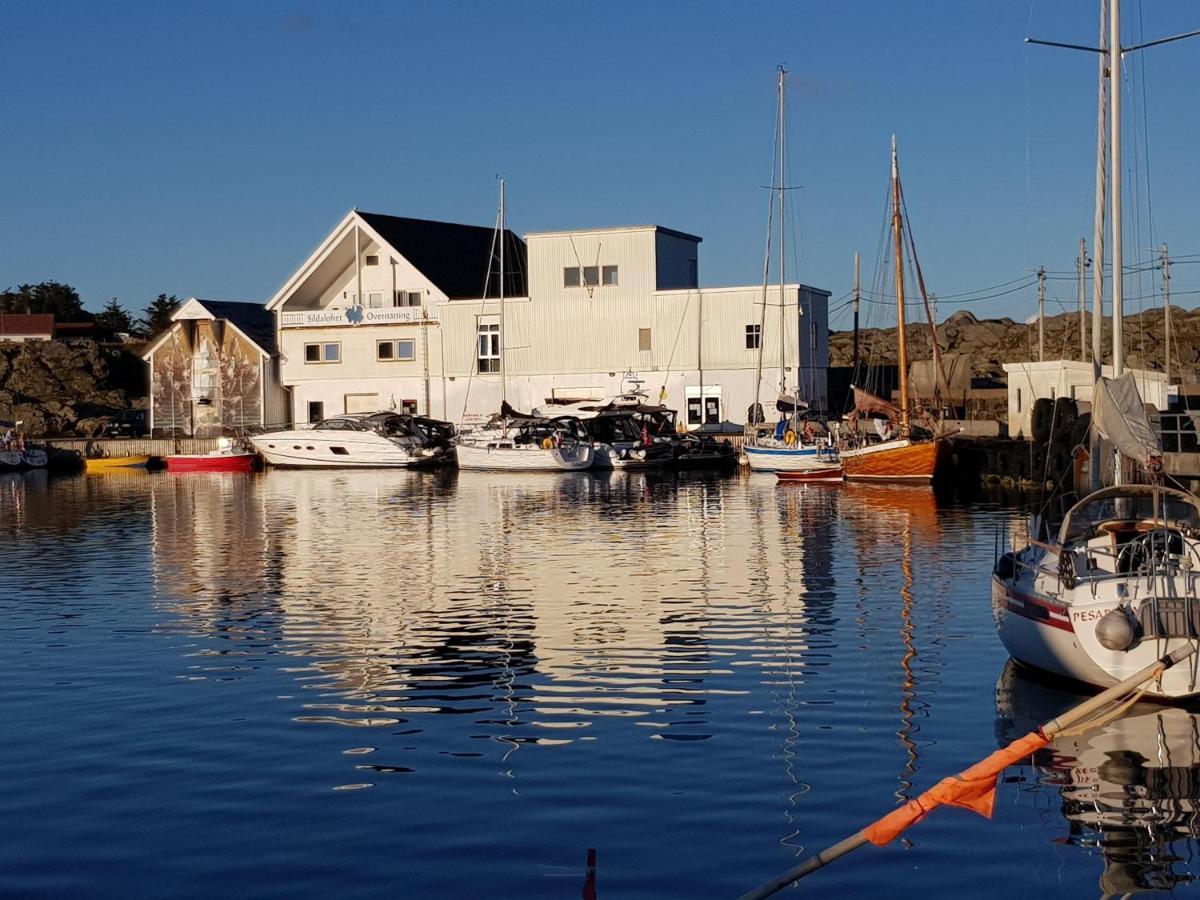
x,y
215,371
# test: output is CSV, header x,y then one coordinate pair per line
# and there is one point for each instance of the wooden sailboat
x,y
899,458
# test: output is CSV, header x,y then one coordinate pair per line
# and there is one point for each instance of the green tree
x,y
52,297
113,319
157,316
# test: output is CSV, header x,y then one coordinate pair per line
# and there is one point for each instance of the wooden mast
x,y
902,339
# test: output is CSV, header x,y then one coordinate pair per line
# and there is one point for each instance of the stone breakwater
x,y
989,343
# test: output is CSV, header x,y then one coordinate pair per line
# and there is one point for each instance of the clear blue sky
x,y
205,148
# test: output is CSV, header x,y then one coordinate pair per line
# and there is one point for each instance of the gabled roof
x,y
26,323
254,321
251,319
455,257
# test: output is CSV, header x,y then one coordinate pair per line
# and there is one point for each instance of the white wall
x,y
1030,381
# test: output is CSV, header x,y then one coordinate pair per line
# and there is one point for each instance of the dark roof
x,y
457,258
26,323
252,319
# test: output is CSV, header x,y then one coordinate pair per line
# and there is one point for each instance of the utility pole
x,y
857,297
1166,274
1041,275
1082,262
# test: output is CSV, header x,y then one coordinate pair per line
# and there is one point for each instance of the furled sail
x,y
1120,416
867,403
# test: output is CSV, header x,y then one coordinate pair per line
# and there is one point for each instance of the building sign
x,y
354,315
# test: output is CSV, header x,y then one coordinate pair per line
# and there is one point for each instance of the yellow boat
x,y
115,463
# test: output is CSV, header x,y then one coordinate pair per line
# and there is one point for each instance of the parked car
x,y
127,423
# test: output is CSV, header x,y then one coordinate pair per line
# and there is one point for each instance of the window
x,y
489,347
608,275
408,407
712,410
694,407
571,277
323,353
408,298
372,260
316,411
375,300
753,337
395,350
643,338
591,276
1018,399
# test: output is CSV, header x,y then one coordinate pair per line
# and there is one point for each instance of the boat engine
x,y
1118,629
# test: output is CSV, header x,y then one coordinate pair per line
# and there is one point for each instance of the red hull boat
x,y
223,459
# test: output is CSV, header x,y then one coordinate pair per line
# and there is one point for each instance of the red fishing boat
x,y
226,458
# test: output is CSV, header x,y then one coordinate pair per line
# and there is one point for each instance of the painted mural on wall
x,y
171,386
240,383
207,382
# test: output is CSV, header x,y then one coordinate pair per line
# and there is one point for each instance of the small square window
x,y
312,353
406,349
372,260
591,275
415,298
753,337
643,338
408,407
375,300
332,352
571,277
385,350
608,276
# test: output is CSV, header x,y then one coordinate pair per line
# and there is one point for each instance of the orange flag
x,y
973,789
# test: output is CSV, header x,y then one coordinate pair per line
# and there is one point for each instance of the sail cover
x,y
867,403
1120,416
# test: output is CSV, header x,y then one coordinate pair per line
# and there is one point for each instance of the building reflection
x,y
1130,789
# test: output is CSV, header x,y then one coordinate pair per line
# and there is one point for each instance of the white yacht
x,y
374,440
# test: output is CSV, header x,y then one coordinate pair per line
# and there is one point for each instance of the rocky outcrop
x,y
53,387
992,342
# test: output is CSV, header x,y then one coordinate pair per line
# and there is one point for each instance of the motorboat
x,y
622,436
226,458
517,442
373,440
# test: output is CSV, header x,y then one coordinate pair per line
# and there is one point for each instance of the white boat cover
x,y
1119,415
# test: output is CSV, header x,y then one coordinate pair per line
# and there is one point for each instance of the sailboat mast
x,y
503,333
857,296
1118,270
902,338
782,244
1098,235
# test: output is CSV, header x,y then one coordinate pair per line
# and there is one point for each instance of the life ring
x,y
548,443
789,438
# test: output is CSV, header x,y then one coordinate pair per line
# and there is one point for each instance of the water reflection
x,y
1130,789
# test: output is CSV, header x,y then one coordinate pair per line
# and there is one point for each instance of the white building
x,y
1032,381
390,312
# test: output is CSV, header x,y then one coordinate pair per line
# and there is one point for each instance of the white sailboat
x,y
1118,586
792,450
512,441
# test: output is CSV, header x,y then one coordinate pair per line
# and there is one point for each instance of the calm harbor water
x,y
359,683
